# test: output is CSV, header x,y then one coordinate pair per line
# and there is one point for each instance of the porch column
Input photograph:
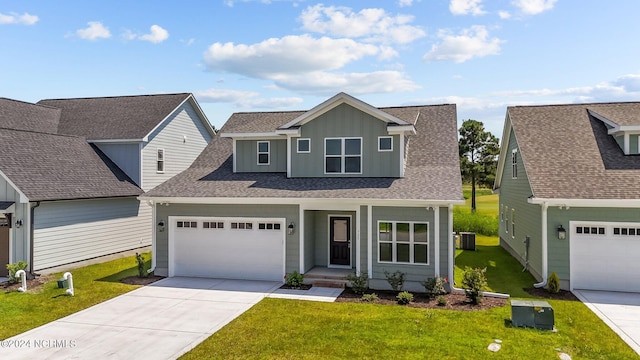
x,y
301,237
436,245
369,241
358,240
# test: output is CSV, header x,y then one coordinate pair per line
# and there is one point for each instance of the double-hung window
x,y
263,153
514,164
343,155
160,161
403,242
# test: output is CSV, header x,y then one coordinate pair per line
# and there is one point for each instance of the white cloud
x,y
470,43
288,55
403,3
245,99
372,25
504,14
465,7
157,35
13,18
630,82
94,31
325,83
533,7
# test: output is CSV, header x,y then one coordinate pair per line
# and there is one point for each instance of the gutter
x,y
31,236
545,255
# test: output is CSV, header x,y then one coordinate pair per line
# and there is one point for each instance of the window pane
x,y
205,225
403,253
420,253
385,252
352,165
276,226
263,158
303,145
385,231
420,233
334,165
263,147
333,147
352,147
385,143
402,232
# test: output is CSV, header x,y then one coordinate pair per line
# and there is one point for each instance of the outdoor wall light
x,y
18,223
562,233
290,228
161,226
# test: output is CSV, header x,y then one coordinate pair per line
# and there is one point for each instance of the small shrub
x,y
553,284
395,280
13,269
142,266
359,283
370,298
294,279
435,286
441,301
404,298
474,281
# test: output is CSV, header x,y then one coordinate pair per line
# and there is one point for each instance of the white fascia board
x,y
603,119
595,203
265,136
338,99
22,197
117,141
309,204
504,142
292,132
401,129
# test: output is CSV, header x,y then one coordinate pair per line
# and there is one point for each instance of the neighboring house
x,y
71,171
343,185
569,181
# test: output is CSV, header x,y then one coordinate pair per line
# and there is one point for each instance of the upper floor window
x,y
343,155
304,145
263,153
385,143
514,164
160,161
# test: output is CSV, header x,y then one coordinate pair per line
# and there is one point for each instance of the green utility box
x,y
532,314
63,283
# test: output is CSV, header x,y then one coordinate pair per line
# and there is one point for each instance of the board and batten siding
x,y
514,194
247,156
76,230
183,137
126,156
346,121
289,212
19,247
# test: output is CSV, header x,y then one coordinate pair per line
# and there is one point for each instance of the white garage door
x,y
604,256
231,248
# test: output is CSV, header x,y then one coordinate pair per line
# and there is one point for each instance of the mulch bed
x,y
136,280
31,283
543,293
302,287
421,300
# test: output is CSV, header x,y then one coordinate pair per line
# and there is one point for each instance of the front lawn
x,y
93,284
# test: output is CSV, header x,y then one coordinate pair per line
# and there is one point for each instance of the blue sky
x,y
258,55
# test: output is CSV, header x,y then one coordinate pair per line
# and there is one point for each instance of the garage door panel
x,y
256,254
605,261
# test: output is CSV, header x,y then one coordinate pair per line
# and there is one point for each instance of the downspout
x,y
545,254
31,241
153,236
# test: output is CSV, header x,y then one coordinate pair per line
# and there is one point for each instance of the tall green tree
x,y
479,151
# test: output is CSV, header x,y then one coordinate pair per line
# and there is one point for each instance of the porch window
x,y
263,153
403,242
343,155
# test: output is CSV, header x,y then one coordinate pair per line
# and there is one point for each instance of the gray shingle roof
x,y
432,172
26,116
569,155
55,167
119,117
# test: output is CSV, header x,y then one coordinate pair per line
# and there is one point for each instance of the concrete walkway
x,y
161,321
620,311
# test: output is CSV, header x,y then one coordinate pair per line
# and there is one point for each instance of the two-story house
x,y
344,185
71,171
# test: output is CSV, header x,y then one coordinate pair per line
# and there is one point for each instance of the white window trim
x,y
342,156
160,161
385,137
298,146
411,243
513,223
258,153
501,212
514,163
506,219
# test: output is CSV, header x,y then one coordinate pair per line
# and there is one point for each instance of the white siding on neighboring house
x,y
75,230
183,137
19,247
126,156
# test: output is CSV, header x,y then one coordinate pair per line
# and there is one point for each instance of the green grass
x,y
93,284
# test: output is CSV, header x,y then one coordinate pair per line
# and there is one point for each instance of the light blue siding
x,y
183,137
19,237
126,156
247,158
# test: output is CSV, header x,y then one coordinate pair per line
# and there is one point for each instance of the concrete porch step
x,y
331,283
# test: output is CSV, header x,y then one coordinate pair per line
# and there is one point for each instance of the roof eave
x,y
593,203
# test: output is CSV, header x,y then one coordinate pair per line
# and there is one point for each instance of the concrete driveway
x,y
621,311
160,321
